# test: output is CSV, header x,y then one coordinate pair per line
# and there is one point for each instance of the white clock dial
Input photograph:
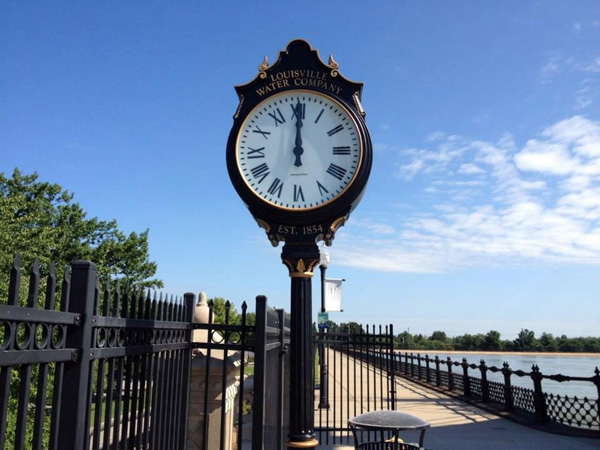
x,y
299,150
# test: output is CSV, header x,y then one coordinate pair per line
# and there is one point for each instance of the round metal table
x,y
390,421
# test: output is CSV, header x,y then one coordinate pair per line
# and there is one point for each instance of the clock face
x,y
299,150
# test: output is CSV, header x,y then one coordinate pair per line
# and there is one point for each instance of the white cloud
x,y
536,204
592,65
546,158
470,169
382,147
557,66
551,68
571,146
435,136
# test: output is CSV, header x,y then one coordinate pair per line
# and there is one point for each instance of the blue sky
x,y
483,207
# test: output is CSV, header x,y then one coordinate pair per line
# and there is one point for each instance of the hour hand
x,y
298,150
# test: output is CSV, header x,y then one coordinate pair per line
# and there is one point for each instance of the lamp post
x,y
323,390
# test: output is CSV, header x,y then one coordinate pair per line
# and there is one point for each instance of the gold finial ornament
x,y
334,66
263,68
300,269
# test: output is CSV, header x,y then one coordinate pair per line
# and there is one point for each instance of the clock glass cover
x,y
299,150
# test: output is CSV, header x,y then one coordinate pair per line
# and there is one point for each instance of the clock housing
x,y
299,152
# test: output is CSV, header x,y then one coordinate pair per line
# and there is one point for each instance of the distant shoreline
x,y
491,352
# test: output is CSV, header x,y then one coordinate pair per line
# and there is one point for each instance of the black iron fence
x,y
84,367
355,380
264,413
472,381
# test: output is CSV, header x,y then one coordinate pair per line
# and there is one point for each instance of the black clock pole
x,y
301,259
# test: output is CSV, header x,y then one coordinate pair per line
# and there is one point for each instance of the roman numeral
x,y
261,171
298,106
277,116
341,150
335,130
256,153
336,171
276,187
322,189
319,116
298,194
264,133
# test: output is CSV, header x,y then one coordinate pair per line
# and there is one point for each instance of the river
x,y
549,364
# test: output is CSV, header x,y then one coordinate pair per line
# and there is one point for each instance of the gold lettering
x,y
312,229
284,229
301,78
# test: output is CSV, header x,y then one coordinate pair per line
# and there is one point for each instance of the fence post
x,y
539,402
485,386
596,381
438,380
281,377
189,302
508,397
419,366
405,363
450,376
73,429
260,367
392,374
427,374
466,381
412,365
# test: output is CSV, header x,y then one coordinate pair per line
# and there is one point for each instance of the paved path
x,y
457,425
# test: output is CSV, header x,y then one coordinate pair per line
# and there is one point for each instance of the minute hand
x,y
298,150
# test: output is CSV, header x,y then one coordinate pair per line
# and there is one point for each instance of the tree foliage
x,y
491,341
221,308
40,219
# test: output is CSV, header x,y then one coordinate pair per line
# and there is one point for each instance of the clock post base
x,y
312,443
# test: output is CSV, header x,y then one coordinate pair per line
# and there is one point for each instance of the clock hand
x,y
298,150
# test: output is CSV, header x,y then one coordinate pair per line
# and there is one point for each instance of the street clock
x,y
299,152
299,156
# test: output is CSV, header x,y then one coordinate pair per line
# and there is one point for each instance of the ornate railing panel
x,y
104,368
573,411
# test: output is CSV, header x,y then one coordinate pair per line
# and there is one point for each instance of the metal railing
x,y
544,407
91,367
356,381
267,340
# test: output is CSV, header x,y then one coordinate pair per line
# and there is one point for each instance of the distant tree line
x,y
526,341
492,341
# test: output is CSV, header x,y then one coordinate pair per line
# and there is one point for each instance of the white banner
x,y
333,294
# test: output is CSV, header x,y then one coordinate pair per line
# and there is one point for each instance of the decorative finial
x,y
263,68
333,65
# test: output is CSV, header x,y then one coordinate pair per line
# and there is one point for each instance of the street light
x,y
323,266
323,386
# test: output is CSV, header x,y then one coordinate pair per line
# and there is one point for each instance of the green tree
x,y
220,307
438,336
40,219
469,342
405,340
492,341
525,340
351,327
548,342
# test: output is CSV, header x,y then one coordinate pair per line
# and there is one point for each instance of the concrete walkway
x,y
456,425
